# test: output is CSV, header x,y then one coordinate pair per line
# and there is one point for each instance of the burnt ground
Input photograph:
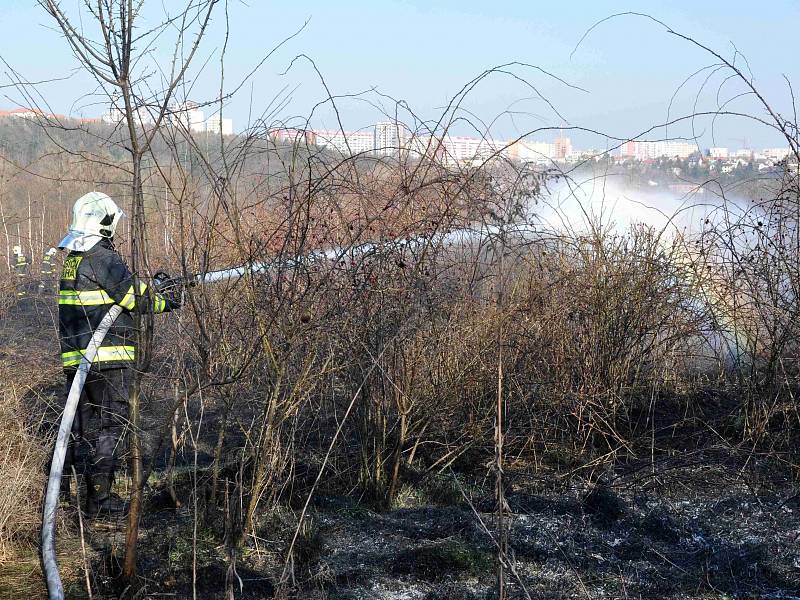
x,y
577,543
708,525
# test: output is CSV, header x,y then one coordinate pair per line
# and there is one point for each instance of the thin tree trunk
x,y
8,238
173,455
132,531
215,467
44,209
502,526
397,457
30,232
138,240
498,449
262,463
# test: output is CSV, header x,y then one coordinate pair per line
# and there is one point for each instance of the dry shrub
x,y
591,329
604,322
7,293
747,262
22,460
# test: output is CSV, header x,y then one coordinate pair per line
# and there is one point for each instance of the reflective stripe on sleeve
x,y
129,299
104,354
84,298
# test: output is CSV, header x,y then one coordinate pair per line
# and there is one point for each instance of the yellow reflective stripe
x,y
84,298
159,304
104,354
129,299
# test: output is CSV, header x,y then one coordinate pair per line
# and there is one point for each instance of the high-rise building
x,y
651,150
468,150
676,149
293,135
390,137
216,123
116,115
562,146
113,116
425,146
776,153
532,152
189,115
458,150
628,149
347,143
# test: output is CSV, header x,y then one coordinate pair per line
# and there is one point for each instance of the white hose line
x,y
48,535
55,588
452,238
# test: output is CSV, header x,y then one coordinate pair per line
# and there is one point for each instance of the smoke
x,y
615,207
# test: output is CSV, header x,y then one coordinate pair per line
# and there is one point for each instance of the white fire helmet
x,y
17,250
52,252
95,216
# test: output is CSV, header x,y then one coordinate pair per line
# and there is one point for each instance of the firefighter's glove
x,y
171,288
162,282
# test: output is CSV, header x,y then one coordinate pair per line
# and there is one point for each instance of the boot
x,y
64,493
100,501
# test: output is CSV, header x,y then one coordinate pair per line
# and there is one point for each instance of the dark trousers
x,y
22,286
46,286
100,421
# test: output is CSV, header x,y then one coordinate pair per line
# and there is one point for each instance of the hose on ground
x,y
55,588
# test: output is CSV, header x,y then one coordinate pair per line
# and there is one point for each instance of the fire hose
x,y
55,587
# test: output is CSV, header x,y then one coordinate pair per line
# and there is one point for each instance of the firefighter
x,y
93,279
21,269
46,272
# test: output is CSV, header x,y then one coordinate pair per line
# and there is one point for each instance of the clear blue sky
x,y
423,52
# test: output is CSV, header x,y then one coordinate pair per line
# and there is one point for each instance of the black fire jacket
x,y
91,283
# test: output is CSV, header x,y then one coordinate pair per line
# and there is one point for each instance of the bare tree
x,y
115,55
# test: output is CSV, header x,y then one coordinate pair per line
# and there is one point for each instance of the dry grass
x,y
22,461
26,371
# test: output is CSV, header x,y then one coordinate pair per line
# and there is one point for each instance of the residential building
x,y
216,123
347,143
532,152
189,115
116,115
661,149
113,116
563,147
718,153
293,135
425,146
24,113
390,137
472,151
776,153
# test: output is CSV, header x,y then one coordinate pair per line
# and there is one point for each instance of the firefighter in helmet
x,y
21,270
46,272
93,279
